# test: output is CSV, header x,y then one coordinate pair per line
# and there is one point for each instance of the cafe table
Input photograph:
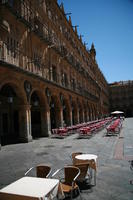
x,y
87,157
30,188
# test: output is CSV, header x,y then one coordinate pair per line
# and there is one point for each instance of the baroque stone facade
x,y
121,97
48,78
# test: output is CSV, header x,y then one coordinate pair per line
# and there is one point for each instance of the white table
x,y
87,157
30,188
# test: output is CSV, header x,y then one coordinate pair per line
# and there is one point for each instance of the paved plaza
x,y
113,152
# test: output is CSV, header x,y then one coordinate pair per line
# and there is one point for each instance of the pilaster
x,y
25,123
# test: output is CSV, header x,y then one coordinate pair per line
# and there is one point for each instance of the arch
x,y
74,113
55,107
128,112
35,115
19,89
85,110
66,111
89,112
9,119
95,112
80,110
41,97
38,108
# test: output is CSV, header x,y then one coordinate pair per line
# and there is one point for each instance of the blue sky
x,y
109,25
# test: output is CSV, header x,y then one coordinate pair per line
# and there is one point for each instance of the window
x,y
65,80
54,73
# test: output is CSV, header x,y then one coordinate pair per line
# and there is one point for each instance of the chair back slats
x,y
70,172
83,170
42,171
91,163
73,155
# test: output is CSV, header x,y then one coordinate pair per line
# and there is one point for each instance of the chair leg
x,y
71,194
79,193
95,177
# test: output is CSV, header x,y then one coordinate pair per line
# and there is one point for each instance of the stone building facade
x,y
121,97
48,78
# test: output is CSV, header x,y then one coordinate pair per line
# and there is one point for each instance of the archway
x,y
128,112
95,113
85,113
89,113
74,114
9,115
80,113
65,110
54,112
35,115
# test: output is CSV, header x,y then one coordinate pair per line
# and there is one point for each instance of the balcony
x,y
26,15
18,60
90,96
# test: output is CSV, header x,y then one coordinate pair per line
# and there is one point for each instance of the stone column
x,y
71,123
45,122
25,123
90,114
59,121
83,113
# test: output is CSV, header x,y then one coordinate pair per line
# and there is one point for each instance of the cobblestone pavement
x,y
113,152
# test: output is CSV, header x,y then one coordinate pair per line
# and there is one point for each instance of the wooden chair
x,y
83,165
73,155
68,182
87,170
42,171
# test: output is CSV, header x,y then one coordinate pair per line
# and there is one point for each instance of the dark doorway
x,y
52,114
36,123
9,115
35,116
128,113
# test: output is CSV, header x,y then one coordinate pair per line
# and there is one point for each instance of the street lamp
x,y
48,94
10,99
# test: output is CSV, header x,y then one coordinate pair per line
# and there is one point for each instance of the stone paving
x,y
113,154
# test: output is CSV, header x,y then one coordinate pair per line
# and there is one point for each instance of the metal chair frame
x,y
72,184
48,168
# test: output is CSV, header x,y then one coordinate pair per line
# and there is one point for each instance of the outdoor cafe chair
x,y
68,179
42,171
87,168
73,155
84,176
